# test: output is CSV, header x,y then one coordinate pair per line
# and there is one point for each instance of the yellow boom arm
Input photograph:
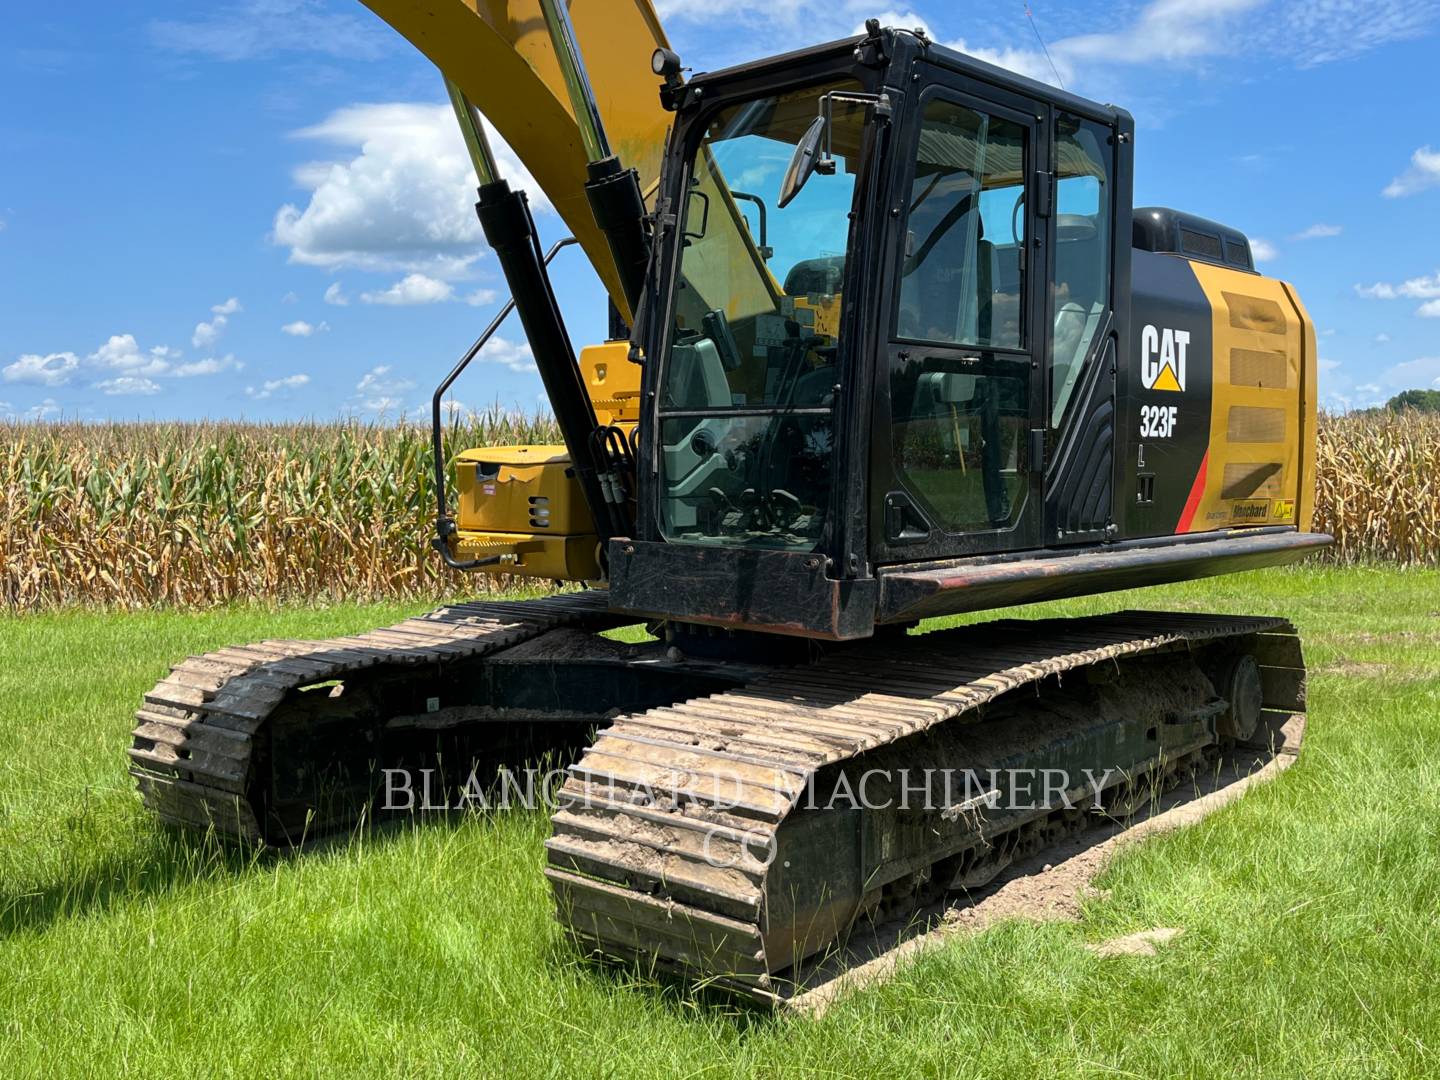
x,y
499,53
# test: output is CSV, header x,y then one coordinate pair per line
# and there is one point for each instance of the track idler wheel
x,y
1239,685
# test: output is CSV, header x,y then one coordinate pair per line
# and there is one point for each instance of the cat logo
x,y
1162,358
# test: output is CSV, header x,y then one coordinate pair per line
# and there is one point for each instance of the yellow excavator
x,y
889,342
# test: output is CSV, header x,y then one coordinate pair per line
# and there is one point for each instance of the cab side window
x,y
958,419
963,276
1082,251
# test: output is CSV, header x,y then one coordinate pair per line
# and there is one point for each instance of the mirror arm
x,y
825,163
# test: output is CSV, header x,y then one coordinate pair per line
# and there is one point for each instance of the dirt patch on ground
x,y
1354,668
1050,886
1145,943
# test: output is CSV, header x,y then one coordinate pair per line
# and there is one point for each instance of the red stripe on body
x,y
1197,491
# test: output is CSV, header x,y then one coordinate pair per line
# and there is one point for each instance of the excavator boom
x,y
500,54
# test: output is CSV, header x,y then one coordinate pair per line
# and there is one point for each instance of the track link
x,y
680,839
201,734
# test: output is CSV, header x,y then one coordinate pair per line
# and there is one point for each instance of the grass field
x,y
1310,907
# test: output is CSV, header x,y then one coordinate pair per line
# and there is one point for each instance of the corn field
x,y
137,515
134,515
1378,489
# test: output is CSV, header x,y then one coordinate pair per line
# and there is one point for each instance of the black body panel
x,y
1080,482
1160,229
1168,298
778,592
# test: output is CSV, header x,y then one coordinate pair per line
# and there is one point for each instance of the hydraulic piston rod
x,y
613,190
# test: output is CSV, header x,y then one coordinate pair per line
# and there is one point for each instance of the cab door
x,y
1089,237
960,389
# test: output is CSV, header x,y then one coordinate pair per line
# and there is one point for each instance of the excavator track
x,y
203,750
705,837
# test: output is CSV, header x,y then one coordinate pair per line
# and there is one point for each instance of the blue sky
x,y
260,208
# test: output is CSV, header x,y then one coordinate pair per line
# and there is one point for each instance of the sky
x,y
262,209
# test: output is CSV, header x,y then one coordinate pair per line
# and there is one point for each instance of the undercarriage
x,y
724,818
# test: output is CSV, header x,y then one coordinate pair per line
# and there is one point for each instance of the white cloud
x,y
1429,310
1341,390
301,328
1381,338
405,202
1421,371
377,379
46,410
378,391
258,28
1263,250
1424,172
120,365
1168,33
1426,287
128,386
206,367
511,354
1338,391
412,289
481,297
290,297
53,369
271,387
1318,232
336,295
207,333
122,353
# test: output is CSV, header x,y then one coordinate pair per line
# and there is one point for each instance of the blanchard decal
x,y
1251,510
1158,421
1162,358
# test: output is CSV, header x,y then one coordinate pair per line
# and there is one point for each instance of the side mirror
x,y
802,162
809,156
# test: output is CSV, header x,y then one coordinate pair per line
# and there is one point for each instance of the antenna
x,y
1043,47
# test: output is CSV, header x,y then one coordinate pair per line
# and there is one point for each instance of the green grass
x,y
1310,907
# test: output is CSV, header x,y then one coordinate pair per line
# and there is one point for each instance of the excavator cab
x,y
914,395
880,386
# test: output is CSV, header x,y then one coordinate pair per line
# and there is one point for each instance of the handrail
x,y
444,524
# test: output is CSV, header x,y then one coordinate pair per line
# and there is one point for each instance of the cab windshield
x,y
749,383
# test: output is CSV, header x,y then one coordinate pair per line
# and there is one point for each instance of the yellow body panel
x,y
523,502
519,489
499,54
558,558
612,381
520,502
1262,408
